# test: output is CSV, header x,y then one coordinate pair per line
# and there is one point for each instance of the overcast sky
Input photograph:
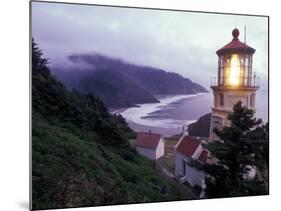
x,y
182,42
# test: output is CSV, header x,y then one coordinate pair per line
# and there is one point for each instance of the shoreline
x,y
140,119
172,113
158,97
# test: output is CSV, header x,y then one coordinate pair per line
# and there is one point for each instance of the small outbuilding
x,y
188,149
150,145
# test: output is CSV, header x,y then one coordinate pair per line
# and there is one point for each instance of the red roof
x,y
235,46
149,140
188,146
203,156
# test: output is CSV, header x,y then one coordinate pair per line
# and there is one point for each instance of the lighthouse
x,y
235,81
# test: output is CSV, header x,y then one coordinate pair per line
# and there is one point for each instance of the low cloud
x,y
182,42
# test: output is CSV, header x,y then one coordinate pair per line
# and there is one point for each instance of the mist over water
x,y
173,112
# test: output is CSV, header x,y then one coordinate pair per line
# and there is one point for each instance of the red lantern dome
x,y
235,46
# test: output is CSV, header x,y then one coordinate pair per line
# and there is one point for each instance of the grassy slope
x,y
80,153
70,171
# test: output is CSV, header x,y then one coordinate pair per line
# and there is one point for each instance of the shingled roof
x,y
203,156
149,140
188,146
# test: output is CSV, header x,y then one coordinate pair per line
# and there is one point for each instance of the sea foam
x,y
140,114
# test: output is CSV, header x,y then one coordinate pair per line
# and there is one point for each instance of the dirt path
x,y
166,164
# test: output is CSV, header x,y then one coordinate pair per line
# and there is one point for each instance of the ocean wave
x,y
140,114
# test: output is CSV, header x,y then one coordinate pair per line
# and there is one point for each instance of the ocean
x,y
174,112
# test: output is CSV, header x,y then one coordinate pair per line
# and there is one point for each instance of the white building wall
x,y
231,97
147,152
179,164
192,175
160,150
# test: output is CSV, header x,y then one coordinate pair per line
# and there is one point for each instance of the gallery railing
x,y
250,82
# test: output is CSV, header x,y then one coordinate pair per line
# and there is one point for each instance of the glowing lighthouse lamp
x,y
234,82
234,70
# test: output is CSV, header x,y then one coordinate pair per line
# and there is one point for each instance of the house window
x,y
221,99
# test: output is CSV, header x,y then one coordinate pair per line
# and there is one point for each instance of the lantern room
x,y
235,81
235,64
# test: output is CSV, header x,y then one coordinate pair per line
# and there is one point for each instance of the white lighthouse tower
x,y
235,81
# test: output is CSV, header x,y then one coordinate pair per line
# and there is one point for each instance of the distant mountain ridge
x,y
121,84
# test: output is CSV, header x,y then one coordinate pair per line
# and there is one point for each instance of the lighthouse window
x,y
221,99
246,61
252,99
241,60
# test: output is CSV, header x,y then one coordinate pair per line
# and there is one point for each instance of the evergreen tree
x,y
241,148
38,62
54,102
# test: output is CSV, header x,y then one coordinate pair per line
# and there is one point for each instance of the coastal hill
x,y
121,84
81,155
201,127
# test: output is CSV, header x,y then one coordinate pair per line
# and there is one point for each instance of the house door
x,y
183,166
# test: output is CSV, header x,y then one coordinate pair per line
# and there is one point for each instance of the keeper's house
x,y
150,145
189,149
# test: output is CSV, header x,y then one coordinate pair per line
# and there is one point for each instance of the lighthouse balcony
x,y
250,83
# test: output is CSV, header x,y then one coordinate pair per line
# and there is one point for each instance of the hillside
x,y
115,89
121,84
80,153
201,127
